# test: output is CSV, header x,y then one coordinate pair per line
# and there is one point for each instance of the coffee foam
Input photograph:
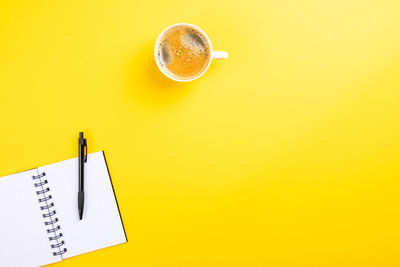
x,y
195,41
164,54
183,52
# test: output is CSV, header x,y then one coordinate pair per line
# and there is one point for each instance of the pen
x,y
82,160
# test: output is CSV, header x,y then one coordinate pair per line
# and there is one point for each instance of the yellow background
x,y
286,154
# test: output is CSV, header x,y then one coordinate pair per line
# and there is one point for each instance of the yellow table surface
x,y
286,154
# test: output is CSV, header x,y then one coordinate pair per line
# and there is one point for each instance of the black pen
x,y
82,160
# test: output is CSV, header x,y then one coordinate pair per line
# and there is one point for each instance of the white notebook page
x,y
101,225
23,237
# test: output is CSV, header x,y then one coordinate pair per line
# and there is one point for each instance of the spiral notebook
x,y
39,220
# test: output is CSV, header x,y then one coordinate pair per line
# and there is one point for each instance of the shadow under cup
x,y
183,52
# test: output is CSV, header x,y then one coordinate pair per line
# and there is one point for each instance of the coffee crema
x,y
183,52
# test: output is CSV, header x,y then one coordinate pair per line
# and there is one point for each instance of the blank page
x,y
101,225
23,237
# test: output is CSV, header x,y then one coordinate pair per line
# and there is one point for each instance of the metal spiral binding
x,y
50,212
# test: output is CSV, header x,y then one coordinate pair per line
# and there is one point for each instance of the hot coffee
x,y
183,52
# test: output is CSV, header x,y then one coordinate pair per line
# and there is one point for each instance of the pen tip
x,y
80,214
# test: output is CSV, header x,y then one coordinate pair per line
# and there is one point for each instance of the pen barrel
x,y
81,176
81,199
81,163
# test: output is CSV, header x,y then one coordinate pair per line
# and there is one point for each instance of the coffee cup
x,y
183,52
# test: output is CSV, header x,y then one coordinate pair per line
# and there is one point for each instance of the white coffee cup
x,y
214,54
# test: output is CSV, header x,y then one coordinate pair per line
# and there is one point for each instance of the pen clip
x,y
85,153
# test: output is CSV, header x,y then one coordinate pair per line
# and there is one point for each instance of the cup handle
x,y
219,54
